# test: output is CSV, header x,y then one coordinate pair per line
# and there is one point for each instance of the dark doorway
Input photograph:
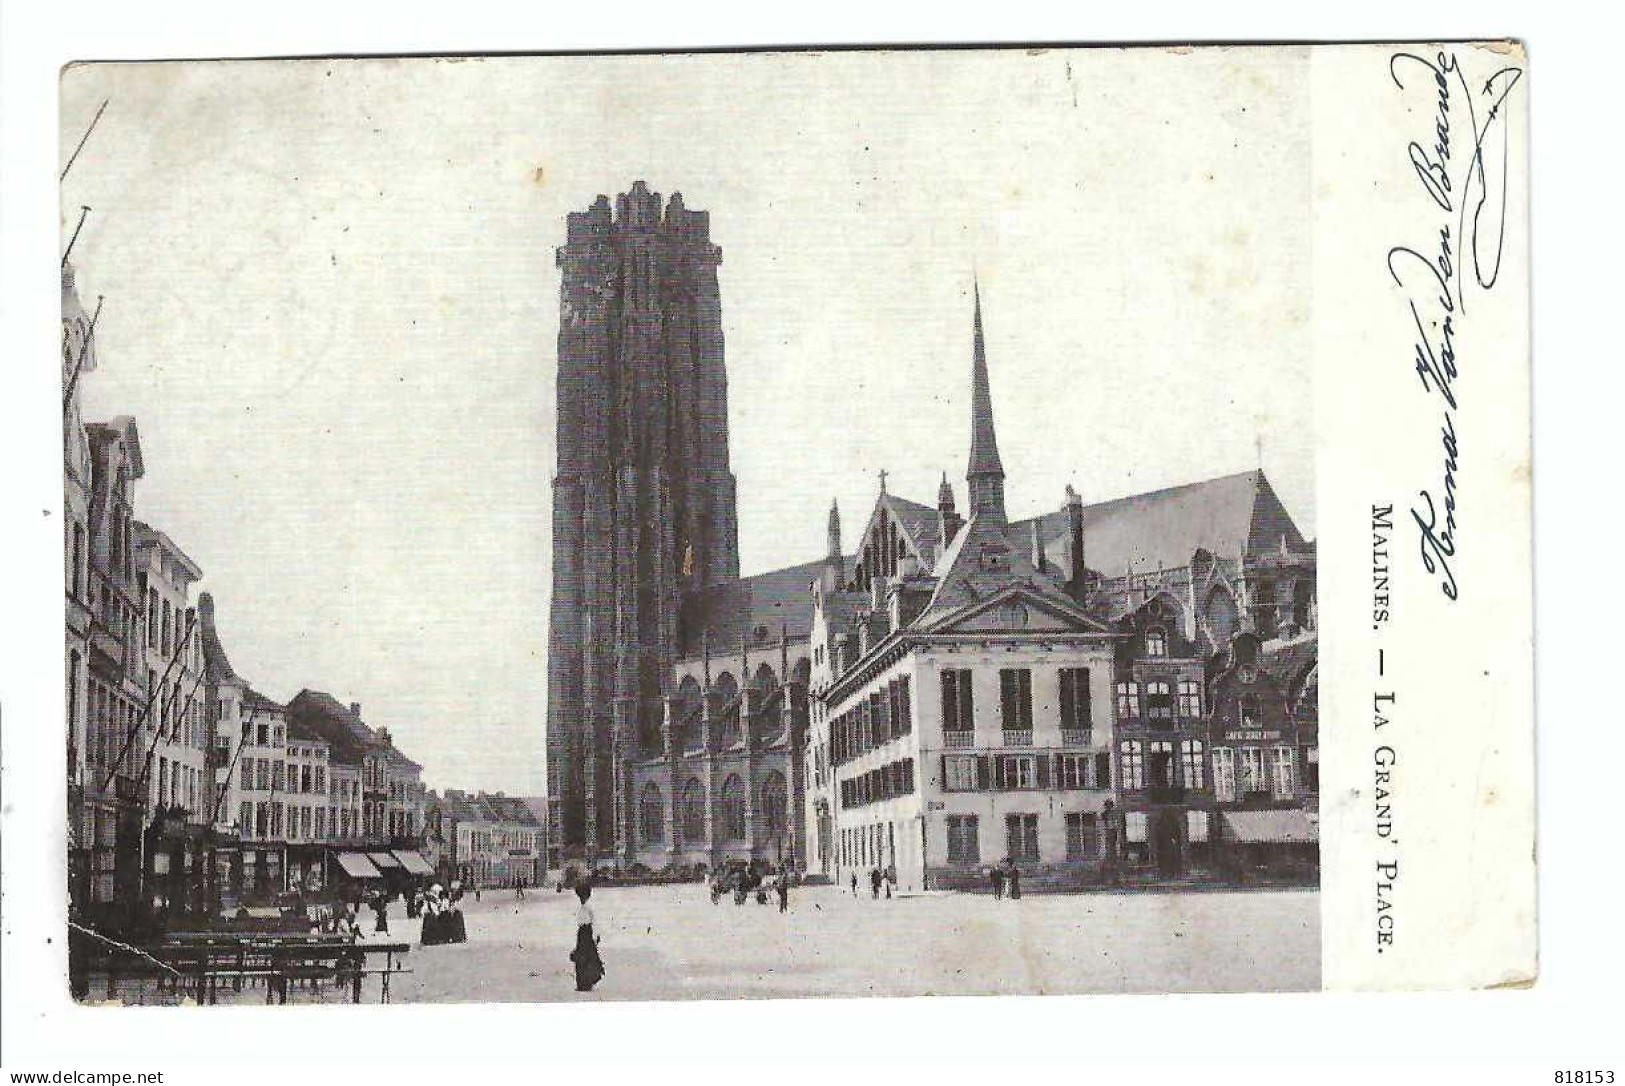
x,y
1169,849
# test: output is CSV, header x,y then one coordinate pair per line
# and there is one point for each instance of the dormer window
x,y
1156,642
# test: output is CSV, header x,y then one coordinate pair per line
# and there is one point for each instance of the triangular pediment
x,y
1018,609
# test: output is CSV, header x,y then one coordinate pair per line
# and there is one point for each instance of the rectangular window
x,y
1131,764
164,630
1016,699
304,778
958,710
1162,764
1286,783
1075,771
1190,699
1021,837
1014,771
278,777
321,781
1082,836
905,708
1311,769
1224,775
245,817
1159,701
1128,700
152,618
964,844
1075,699
1190,763
1252,770
959,772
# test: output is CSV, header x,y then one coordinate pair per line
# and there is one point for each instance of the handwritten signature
x,y
1469,192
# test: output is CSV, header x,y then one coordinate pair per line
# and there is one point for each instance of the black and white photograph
x,y
689,527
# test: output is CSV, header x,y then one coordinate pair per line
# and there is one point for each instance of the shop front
x,y
356,877
1272,844
175,876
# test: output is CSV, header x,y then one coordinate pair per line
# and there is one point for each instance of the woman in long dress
x,y
589,966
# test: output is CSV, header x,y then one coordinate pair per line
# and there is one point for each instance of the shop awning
x,y
1271,827
357,866
414,863
384,860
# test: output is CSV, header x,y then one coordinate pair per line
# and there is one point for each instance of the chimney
x,y
1038,546
1079,572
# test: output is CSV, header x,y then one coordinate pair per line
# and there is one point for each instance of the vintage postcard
x,y
792,524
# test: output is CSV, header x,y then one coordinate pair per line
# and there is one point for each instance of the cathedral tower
x,y
643,501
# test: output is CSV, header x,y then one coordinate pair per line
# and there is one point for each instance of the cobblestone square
x,y
670,942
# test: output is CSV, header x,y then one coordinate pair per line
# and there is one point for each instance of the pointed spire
x,y
986,472
832,551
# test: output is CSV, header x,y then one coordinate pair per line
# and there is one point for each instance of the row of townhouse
x,y
487,839
188,791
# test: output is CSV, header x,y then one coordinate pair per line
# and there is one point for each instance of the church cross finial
x,y
883,474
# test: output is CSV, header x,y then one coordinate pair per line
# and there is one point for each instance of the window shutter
x,y
1067,703
1082,695
984,771
1044,762
1103,771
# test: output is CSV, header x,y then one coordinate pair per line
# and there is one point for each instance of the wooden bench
x,y
212,957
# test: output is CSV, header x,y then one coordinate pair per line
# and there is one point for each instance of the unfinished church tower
x,y
643,502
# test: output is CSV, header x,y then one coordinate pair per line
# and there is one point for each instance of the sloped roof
x,y
147,536
727,613
253,699
214,653
318,714
920,521
981,562
1229,516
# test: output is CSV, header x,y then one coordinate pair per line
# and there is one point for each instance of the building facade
x,y
78,359
487,839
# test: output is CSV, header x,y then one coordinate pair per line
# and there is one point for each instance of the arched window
x,y
653,812
774,806
1156,642
693,812
732,809
1303,594
1221,616
685,713
725,710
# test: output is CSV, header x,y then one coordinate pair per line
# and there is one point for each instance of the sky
x,y
331,305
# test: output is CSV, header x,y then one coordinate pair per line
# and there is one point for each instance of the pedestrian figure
x,y
518,889
874,883
854,884
784,891
476,891
380,907
1015,883
589,966
891,880
995,874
